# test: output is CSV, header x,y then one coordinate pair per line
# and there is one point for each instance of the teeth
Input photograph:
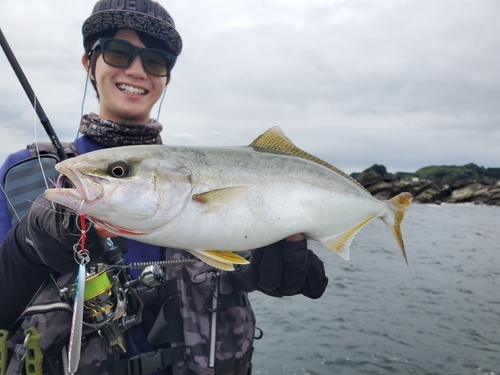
x,y
131,89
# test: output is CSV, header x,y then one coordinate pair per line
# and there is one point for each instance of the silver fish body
x,y
212,201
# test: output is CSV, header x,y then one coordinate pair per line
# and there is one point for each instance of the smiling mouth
x,y
131,89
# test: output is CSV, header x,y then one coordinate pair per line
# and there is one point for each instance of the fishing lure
x,y
75,338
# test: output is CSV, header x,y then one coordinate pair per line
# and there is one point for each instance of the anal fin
x,y
220,259
341,242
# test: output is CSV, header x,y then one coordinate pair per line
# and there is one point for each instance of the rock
x,y
389,177
464,194
384,186
428,196
487,195
369,178
488,181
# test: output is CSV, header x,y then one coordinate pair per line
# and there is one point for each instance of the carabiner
x,y
20,354
196,280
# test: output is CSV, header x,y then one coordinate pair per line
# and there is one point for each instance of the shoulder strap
x,y
48,148
145,363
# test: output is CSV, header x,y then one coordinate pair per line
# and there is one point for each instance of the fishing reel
x,y
111,302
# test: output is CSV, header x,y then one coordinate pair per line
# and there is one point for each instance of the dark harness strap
x,y
42,148
233,300
159,293
145,363
166,327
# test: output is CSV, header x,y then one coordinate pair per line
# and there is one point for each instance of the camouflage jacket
x,y
222,335
217,325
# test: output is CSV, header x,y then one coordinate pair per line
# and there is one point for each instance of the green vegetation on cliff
x,y
436,172
465,172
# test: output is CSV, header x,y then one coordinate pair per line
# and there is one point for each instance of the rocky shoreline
x,y
445,190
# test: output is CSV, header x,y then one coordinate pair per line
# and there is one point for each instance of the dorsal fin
x,y
274,140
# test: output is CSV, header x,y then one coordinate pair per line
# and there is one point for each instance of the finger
x,y
256,258
316,278
271,267
103,233
296,237
295,267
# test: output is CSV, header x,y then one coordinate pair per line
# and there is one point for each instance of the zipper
x,y
49,307
213,322
65,360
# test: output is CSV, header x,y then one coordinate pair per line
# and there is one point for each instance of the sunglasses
x,y
120,54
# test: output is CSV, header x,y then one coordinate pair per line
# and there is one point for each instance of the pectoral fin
x,y
341,242
216,200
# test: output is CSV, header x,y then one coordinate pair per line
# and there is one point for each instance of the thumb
x,y
103,233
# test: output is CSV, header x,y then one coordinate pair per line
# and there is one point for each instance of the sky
x,y
402,83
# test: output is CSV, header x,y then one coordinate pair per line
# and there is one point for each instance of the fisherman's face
x,y
127,94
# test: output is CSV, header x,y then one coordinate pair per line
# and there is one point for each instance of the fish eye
x,y
119,169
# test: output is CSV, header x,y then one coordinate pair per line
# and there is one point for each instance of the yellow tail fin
x,y
394,217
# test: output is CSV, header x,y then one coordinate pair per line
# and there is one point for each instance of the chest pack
x,y
27,179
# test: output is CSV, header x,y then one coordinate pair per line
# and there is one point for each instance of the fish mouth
x,y
86,186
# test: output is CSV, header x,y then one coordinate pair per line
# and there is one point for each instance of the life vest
x,y
203,327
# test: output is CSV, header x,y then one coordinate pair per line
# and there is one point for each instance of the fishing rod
x,y
32,97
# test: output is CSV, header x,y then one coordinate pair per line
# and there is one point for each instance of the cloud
x,y
400,83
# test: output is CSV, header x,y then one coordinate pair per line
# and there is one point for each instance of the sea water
x,y
377,317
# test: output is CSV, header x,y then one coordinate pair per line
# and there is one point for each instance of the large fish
x,y
212,201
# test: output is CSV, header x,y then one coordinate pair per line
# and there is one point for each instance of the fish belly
x,y
266,214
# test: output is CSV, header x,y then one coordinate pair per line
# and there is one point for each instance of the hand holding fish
x,y
295,237
283,269
44,244
103,233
